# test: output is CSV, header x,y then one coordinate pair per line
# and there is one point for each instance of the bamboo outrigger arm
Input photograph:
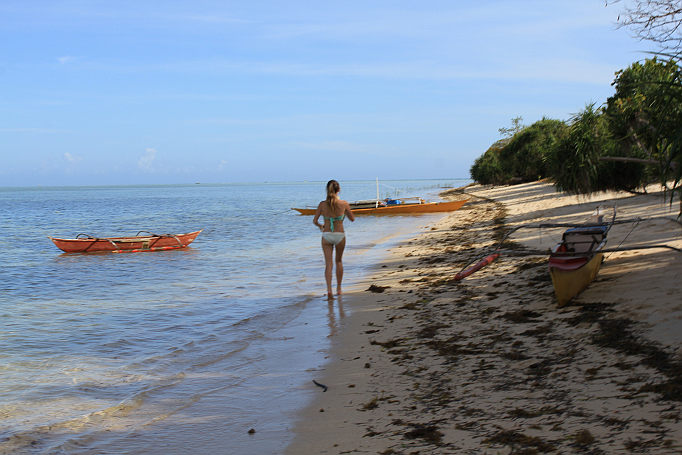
x,y
488,257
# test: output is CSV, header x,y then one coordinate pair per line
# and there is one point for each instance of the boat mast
x,y
377,203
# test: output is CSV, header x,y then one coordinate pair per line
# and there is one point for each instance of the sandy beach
x,y
422,364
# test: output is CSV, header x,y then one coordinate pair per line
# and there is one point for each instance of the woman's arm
x,y
318,212
349,212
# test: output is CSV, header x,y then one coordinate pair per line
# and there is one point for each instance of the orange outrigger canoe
x,y
421,207
134,244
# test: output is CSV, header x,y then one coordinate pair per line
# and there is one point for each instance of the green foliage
x,y
516,127
486,170
574,159
646,99
639,128
576,167
525,157
646,113
521,157
649,95
619,175
671,130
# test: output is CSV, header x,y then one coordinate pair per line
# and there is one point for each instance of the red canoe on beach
x,y
134,244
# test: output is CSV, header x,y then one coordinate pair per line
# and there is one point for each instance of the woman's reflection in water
x,y
334,318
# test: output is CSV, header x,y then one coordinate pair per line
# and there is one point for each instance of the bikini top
x,y
332,219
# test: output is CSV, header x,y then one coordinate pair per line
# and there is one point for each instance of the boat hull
x,y
429,207
570,279
575,262
132,244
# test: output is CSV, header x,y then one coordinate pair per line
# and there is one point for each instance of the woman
x,y
333,211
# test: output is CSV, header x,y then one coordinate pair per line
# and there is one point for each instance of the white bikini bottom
x,y
333,237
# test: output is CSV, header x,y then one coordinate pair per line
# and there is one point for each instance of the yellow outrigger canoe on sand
x,y
574,262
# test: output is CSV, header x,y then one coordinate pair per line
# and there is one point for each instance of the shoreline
x,y
490,364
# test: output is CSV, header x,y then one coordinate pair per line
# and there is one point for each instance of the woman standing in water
x,y
333,211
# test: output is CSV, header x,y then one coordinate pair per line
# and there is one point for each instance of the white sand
x,y
490,364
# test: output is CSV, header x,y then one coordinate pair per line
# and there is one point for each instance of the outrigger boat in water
x,y
394,206
84,243
573,263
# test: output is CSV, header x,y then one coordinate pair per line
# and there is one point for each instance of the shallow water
x,y
101,348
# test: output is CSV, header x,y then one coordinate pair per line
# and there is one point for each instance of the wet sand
x,y
425,365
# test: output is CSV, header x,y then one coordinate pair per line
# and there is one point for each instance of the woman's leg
x,y
328,249
339,264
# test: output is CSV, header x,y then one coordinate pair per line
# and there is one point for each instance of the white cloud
x,y
145,161
222,164
66,59
71,158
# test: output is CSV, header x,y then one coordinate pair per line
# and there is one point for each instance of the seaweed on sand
x,y
376,288
545,410
520,316
372,404
514,355
521,443
617,334
428,433
590,313
451,347
541,368
430,330
532,263
540,331
390,344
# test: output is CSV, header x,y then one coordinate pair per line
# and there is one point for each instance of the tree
x,y
574,159
645,110
646,113
525,157
617,146
521,156
659,21
577,161
517,126
487,168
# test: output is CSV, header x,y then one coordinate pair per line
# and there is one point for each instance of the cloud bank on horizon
x,y
182,92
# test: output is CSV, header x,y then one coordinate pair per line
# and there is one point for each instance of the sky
x,y
164,92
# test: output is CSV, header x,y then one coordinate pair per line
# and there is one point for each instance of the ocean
x,y
173,351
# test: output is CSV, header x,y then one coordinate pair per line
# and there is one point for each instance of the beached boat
x,y
395,206
84,243
575,262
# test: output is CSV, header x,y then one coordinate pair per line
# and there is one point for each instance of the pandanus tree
x,y
634,140
646,114
660,22
574,161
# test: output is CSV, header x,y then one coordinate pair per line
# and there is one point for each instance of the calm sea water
x,y
133,353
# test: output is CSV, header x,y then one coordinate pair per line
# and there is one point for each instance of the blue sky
x,y
146,92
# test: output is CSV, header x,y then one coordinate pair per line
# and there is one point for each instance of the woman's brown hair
x,y
333,188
